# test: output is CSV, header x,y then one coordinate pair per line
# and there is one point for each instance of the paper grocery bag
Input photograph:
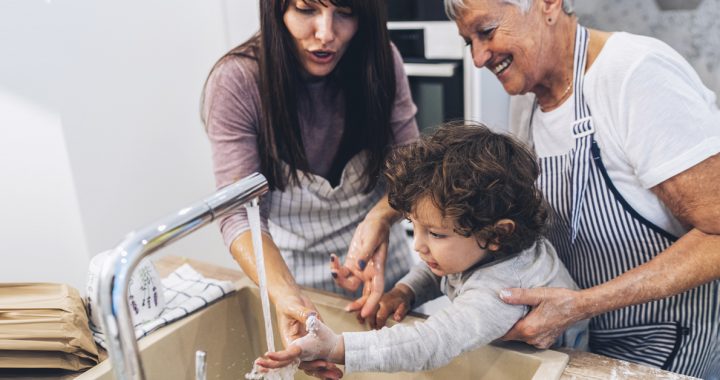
x,y
35,295
44,326
44,359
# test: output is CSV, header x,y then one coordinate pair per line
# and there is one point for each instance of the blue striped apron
x,y
599,236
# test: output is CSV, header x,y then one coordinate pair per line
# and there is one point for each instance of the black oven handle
x,y
435,70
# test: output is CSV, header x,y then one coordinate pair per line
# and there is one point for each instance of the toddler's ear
x,y
503,227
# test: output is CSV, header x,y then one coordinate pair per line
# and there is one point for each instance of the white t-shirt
x,y
653,119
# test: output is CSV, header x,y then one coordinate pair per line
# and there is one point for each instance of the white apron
x,y
310,221
599,236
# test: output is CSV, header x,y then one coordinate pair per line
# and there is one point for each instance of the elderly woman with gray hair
x,y
627,138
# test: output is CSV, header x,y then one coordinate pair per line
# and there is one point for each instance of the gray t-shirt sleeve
x,y
475,318
423,283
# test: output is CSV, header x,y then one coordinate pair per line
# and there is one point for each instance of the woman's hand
x,y
396,302
371,238
321,369
553,311
292,310
317,349
291,305
365,263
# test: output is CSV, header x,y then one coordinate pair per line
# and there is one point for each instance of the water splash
x,y
285,373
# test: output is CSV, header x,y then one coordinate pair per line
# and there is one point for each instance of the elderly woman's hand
x,y
553,311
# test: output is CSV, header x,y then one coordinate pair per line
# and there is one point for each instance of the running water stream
x,y
287,373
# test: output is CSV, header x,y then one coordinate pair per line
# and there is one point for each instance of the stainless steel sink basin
x,y
231,332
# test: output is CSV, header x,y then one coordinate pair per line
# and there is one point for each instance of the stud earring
x,y
549,19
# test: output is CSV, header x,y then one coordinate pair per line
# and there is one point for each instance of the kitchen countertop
x,y
582,365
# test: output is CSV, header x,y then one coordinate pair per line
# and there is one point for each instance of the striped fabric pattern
x,y
581,127
599,236
313,220
613,239
186,290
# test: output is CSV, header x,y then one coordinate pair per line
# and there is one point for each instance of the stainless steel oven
x,y
437,91
434,66
416,10
433,59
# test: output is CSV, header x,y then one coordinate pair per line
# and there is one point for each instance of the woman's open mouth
x,y
322,56
502,66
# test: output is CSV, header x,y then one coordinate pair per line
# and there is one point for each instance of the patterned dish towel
x,y
186,290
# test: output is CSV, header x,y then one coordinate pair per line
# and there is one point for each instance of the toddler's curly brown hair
x,y
475,177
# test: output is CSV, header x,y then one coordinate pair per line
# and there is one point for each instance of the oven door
x,y
437,90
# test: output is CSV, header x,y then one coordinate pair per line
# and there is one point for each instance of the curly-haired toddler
x,y
478,220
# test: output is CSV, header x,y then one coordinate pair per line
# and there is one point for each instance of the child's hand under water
x,y
318,350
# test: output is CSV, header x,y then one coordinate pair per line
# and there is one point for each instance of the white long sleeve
x,y
476,317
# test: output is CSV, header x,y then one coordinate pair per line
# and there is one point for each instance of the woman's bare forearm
x,y
279,279
383,210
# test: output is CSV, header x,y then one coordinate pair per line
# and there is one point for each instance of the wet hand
x,y
292,310
320,342
318,368
321,369
553,310
371,238
373,278
365,264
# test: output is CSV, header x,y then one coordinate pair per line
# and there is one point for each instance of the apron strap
x,y
583,131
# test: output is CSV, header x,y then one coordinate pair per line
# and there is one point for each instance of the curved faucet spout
x,y
116,271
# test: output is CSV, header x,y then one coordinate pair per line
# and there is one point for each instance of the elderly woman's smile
x,y
500,67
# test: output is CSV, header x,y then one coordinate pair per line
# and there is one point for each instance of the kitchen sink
x,y
231,332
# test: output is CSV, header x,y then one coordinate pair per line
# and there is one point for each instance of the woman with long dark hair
x,y
314,102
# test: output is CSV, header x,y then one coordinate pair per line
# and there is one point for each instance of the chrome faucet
x,y
112,291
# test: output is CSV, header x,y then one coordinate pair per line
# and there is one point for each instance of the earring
x,y
549,19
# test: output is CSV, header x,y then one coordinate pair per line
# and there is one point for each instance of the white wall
x,y
114,89
695,33
42,232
